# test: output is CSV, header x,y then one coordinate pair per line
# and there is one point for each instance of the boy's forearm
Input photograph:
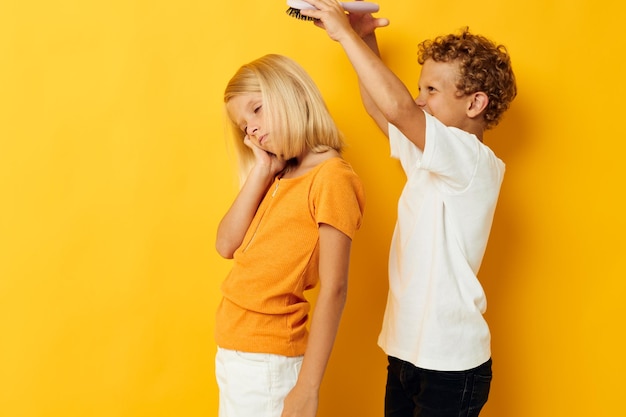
x,y
372,43
380,85
369,104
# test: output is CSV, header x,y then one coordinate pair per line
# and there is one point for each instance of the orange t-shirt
x,y
263,308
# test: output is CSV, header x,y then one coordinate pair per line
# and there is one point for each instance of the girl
x,y
290,226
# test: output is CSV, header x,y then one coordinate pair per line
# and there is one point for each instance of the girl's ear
x,y
477,104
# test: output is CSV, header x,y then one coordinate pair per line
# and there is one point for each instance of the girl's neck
x,y
307,161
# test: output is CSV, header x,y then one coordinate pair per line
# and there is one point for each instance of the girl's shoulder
x,y
333,166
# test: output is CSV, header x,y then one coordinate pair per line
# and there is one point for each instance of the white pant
x,y
254,384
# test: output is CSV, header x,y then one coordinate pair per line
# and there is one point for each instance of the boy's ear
x,y
478,102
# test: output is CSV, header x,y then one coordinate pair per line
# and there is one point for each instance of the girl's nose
x,y
251,130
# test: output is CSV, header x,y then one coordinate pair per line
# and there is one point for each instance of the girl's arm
x,y
335,246
235,223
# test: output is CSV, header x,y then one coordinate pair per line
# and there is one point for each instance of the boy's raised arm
x,y
383,88
365,25
368,102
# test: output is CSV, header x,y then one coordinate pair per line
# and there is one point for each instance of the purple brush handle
x,y
359,6
350,6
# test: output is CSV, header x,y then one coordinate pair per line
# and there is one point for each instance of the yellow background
x,y
114,173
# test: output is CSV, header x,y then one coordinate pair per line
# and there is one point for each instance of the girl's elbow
x,y
342,296
225,251
339,292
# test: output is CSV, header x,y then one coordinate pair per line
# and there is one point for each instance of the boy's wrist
x,y
350,37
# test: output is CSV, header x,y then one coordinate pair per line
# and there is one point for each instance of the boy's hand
x,y
364,24
332,18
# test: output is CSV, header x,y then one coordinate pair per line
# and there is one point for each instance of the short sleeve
x,y
338,197
449,153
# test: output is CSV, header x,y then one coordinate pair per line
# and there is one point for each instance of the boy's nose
x,y
419,101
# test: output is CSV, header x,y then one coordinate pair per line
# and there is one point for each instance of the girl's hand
x,y
300,403
266,160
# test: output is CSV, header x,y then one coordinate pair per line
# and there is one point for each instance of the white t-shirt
x,y
435,306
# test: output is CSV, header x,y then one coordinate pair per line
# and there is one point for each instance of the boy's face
x,y
439,95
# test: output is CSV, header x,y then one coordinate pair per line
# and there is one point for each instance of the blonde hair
x,y
293,104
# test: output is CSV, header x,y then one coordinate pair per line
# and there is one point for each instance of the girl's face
x,y
439,95
246,111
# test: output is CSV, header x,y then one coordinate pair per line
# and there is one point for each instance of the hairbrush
x,y
351,6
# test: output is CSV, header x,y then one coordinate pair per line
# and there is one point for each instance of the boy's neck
x,y
479,134
474,127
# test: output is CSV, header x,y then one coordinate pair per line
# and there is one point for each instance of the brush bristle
x,y
293,12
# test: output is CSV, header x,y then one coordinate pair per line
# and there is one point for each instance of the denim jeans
x,y
416,392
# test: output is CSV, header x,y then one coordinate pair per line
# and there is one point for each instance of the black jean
x,y
416,392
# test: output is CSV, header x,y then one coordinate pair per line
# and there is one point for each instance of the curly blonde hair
x,y
483,66
295,108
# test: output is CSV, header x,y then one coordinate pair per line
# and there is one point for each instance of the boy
x,y
434,333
